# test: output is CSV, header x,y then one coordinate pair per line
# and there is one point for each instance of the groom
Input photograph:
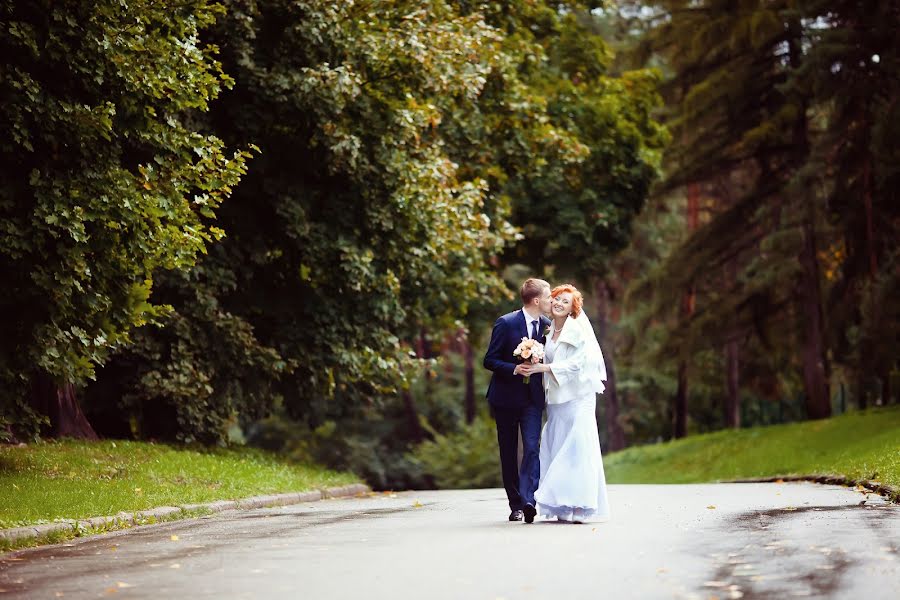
x,y
514,404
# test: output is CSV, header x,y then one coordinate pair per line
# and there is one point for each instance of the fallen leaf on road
x,y
122,584
175,566
711,507
174,538
111,591
779,481
417,504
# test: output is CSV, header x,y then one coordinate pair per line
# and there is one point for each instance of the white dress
x,y
572,485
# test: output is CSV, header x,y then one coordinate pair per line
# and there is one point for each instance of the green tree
x,y
354,229
104,181
775,109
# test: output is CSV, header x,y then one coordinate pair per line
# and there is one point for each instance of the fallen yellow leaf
x,y
711,507
174,538
122,584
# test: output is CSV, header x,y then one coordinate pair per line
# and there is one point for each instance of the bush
x,y
466,459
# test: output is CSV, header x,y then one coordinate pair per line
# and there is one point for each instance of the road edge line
x,y
125,520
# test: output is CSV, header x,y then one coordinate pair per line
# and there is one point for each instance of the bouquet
x,y
530,350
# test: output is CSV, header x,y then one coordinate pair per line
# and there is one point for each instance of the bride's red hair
x,y
577,298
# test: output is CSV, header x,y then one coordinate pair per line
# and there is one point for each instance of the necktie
x,y
534,334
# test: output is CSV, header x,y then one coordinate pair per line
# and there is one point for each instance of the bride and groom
x,y
561,474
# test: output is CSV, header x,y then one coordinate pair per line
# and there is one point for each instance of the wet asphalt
x,y
759,540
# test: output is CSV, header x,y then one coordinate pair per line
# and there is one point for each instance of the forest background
x,y
291,224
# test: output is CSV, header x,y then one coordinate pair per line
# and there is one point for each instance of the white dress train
x,y
572,484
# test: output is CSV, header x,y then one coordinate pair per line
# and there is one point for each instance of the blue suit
x,y
516,405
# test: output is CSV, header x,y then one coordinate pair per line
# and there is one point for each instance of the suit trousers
x,y
519,482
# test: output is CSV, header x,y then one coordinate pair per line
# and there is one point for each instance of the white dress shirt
x,y
529,320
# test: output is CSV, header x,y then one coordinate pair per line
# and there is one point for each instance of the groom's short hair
x,y
533,288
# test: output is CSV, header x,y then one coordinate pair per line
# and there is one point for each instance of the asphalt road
x,y
664,541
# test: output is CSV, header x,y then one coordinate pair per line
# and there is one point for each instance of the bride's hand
x,y
540,368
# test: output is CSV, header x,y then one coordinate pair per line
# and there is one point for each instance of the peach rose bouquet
x,y
529,350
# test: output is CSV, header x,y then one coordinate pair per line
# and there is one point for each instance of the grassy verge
x,y
49,481
863,445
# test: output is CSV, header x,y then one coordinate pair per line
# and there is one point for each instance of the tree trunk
x,y
885,376
615,435
732,408
469,373
60,404
815,369
416,433
870,225
815,382
681,403
680,408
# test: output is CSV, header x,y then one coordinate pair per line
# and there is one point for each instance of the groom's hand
x,y
523,369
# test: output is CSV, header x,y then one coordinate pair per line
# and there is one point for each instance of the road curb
x,y
889,492
126,519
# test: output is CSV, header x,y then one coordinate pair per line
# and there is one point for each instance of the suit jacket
x,y
507,390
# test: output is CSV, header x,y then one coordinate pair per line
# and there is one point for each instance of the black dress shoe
x,y
530,512
515,515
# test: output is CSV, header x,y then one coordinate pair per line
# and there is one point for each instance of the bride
x,y
572,484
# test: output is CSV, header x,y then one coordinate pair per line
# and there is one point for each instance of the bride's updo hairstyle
x,y
577,298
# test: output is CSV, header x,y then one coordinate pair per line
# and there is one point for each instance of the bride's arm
x,y
565,370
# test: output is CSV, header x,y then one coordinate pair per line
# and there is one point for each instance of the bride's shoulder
x,y
572,333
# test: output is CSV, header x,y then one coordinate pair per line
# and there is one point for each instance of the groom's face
x,y
544,302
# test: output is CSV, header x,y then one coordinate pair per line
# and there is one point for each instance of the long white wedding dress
x,y
572,484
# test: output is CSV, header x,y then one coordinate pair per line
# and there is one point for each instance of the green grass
x,y
68,479
858,445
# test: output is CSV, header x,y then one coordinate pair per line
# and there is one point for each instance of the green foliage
x,y
406,151
577,168
377,441
776,111
353,228
464,459
396,143
197,372
105,180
